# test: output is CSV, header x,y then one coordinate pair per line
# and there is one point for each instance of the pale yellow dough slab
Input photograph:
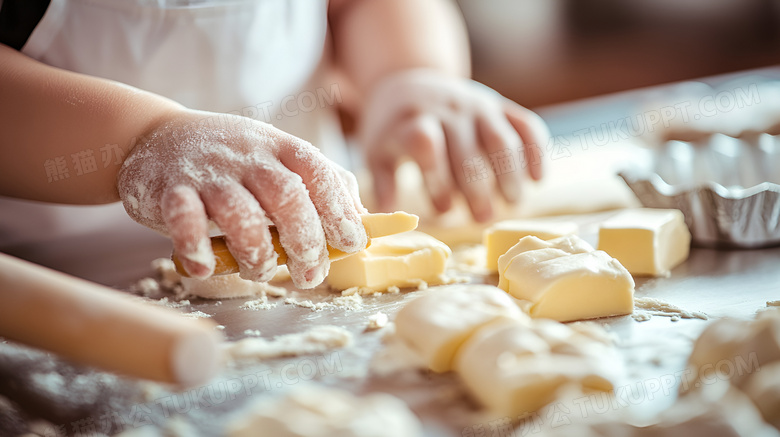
x,y
400,260
500,237
648,242
570,244
513,369
436,324
384,224
567,287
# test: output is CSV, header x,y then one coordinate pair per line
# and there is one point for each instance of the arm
x,y
379,37
49,113
176,172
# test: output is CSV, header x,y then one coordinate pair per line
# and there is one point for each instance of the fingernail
x,y
198,271
260,273
201,260
353,235
443,203
316,275
484,214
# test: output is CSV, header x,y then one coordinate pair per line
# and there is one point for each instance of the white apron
x,y
217,55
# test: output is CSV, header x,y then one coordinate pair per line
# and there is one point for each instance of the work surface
x,y
716,283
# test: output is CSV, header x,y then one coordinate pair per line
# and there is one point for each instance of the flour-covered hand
x,y
244,176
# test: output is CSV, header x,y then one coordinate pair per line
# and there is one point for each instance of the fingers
x,y
533,132
239,216
284,198
185,219
351,183
331,198
382,168
502,143
423,138
467,169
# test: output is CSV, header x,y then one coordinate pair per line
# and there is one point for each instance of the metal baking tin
x,y
727,188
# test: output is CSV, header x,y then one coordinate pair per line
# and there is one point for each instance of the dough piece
x,y
734,349
718,410
648,242
436,324
317,411
722,412
513,370
317,339
401,260
566,287
500,237
383,224
569,244
764,389
225,287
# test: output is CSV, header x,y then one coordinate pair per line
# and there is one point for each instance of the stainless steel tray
x,y
727,188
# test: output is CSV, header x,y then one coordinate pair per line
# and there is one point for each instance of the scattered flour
x,y
377,321
353,302
166,280
367,291
252,332
146,287
170,304
646,307
258,304
196,315
641,316
316,340
166,272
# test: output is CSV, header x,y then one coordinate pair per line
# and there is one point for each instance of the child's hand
x,y
441,122
244,175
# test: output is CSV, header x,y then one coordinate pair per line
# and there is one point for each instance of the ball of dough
x,y
436,324
513,369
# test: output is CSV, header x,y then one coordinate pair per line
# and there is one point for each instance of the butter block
x,y
513,370
384,224
570,244
503,235
647,241
566,287
400,260
436,324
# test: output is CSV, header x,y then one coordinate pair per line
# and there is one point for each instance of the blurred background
x,y
540,52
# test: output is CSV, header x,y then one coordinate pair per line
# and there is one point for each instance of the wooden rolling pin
x,y
98,326
377,225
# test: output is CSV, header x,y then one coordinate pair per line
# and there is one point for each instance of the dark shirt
x,y
18,18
